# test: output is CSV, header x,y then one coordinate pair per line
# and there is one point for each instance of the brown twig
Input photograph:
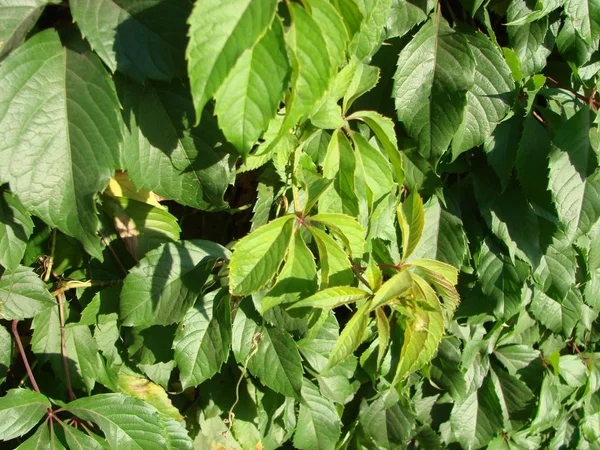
x,y
63,346
15,333
589,100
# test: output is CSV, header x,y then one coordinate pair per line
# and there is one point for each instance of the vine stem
x,y
74,284
63,346
50,262
15,333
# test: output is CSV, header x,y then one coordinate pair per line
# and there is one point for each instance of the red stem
x,y
15,333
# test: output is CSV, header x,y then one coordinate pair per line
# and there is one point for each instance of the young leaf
x,y
20,411
66,157
167,281
22,294
318,422
165,154
368,38
257,257
15,228
424,330
332,297
397,286
336,269
411,218
383,334
347,229
143,40
351,337
203,339
219,33
435,71
249,97
128,422
146,390
277,363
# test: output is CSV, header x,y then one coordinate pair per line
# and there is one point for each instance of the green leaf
x,y
423,332
585,16
443,237
15,228
514,395
318,425
41,440
501,281
516,357
489,99
56,162
203,339
219,33
368,38
435,71
277,363
383,127
20,411
574,185
501,148
161,288
22,294
347,229
411,219
332,28
332,297
141,226
151,393
297,279
256,258
351,337
76,439
336,269
6,352
549,406
249,97
378,171
165,154
129,423
143,40
397,286
16,19
383,332
390,424
406,14
364,78
477,418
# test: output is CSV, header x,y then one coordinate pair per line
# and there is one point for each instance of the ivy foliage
x,y
343,224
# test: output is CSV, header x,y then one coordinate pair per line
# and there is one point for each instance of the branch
x,y
23,356
73,284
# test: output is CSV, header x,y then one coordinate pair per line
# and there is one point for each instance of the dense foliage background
x,y
362,224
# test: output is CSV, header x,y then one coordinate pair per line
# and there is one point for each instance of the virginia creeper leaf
x,y
332,297
346,228
22,294
351,337
411,218
54,157
20,411
15,228
397,286
336,269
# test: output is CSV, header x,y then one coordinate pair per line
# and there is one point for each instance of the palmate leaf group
x,y
367,224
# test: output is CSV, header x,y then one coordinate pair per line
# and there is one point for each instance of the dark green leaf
x,y
15,228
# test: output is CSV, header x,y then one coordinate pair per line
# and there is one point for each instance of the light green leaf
x,y
167,281
364,78
411,219
318,425
501,280
219,33
574,185
277,363
368,38
585,16
336,269
15,228
245,332
383,334
151,393
143,40
340,165
351,337
142,227
16,19
332,28
6,352
347,229
397,286
203,339
22,294
20,411
477,418
257,257
424,330
406,14
435,71
378,170
165,154
443,237
54,157
249,97
128,423
332,297
298,278
489,99
383,127
556,316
